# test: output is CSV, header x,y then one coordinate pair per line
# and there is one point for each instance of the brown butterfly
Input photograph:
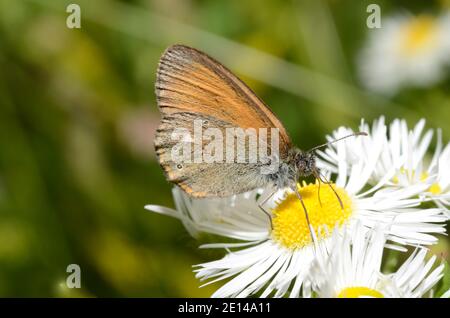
x,y
190,86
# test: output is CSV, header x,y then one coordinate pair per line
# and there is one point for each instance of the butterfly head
x,y
305,162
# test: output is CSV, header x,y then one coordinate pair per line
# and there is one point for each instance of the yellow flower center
x,y
418,35
356,292
290,227
435,188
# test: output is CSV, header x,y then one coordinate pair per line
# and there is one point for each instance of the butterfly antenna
x,y
329,184
299,196
360,133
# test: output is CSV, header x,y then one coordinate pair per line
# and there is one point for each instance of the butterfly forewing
x,y
191,86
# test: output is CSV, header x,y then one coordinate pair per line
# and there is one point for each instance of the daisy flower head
x,y
274,258
407,51
402,163
351,268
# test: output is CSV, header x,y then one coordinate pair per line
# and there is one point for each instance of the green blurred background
x,y
78,114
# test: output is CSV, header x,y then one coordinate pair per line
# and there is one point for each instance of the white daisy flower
x,y
407,51
404,151
351,268
274,262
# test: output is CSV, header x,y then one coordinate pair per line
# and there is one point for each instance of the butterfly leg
x,y
329,184
300,198
317,176
264,210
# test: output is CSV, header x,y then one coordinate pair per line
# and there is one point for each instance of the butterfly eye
x,y
180,166
206,122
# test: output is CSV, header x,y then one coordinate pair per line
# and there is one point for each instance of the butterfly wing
x,y
191,85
